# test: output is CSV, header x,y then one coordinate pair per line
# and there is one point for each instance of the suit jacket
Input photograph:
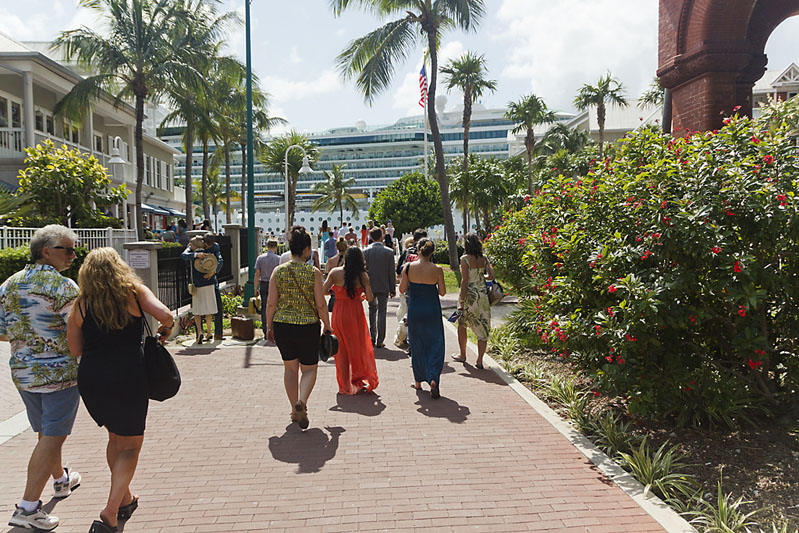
x,y
380,267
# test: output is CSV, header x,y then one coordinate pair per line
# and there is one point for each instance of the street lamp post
x,y
249,288
116,159
305,169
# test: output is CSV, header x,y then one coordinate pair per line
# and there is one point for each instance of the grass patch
x,y
450,280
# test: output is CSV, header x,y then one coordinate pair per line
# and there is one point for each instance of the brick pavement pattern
x,y
223,456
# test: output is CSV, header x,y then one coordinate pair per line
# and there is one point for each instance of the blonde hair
x,y
106,282
341,244
408,242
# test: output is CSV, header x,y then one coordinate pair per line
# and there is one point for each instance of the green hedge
x,y
14,259
441,253
668,273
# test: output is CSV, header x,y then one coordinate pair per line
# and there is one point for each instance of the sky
x,y
540,46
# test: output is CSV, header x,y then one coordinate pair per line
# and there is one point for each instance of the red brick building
x,y
711,53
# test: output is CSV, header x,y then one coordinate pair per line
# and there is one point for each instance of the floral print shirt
x,y
34,306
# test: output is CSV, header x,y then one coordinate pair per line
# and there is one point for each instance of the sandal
x,y
126,511
458,358
98,526
434,392
414,386
479,365
302,414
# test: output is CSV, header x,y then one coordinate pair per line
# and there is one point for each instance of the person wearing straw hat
x,y
205,263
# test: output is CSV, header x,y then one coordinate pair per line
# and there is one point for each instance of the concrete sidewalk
x,y
222,456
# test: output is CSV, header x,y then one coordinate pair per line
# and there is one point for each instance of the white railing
x,y
11,142
88,238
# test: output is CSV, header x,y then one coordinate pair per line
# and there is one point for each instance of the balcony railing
x,y
11,142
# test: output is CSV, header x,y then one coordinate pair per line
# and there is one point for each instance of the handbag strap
x,y
145,324
305,296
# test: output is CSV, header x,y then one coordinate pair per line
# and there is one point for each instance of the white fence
x,y
88,238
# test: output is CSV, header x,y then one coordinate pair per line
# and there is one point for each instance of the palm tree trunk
x,y
441,171
244,184
227,183
140,95
205,179
529,144
340,214
467,124
477,221
189,139
600,119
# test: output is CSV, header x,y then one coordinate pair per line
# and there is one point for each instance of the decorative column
x,y
27,107
234,231
143,259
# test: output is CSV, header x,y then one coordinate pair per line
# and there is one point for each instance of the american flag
x,y
423,86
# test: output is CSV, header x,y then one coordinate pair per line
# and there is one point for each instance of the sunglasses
x,y
69,251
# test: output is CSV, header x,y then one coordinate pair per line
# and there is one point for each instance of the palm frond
x,y
465,14
78,100
374,56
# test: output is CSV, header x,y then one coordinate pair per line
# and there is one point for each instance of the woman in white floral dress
x,y
473,299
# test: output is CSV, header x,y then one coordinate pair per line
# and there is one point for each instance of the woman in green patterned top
x,y
295,305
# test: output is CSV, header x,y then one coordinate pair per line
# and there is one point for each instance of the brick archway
x,y
711,53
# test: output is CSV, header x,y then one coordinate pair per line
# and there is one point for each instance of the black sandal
x,y
98,526
126,511
434,393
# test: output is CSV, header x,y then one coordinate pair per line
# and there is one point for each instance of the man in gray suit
x,y
380,266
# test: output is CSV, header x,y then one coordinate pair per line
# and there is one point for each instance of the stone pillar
x,y
27,106
143,258
234,231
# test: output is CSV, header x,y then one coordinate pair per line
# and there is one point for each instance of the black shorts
x,y
298,342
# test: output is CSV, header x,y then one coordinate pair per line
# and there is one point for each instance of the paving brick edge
x,y
651,504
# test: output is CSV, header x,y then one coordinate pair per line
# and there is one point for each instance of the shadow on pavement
x,y
366,404
485,374
310,449
441,407
390,354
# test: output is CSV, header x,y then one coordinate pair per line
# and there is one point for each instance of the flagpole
x,y
426,126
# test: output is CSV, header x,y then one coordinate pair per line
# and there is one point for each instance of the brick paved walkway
x,y
221,456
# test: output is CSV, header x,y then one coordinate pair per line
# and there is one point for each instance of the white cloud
x,y
558,46
286,90
294,56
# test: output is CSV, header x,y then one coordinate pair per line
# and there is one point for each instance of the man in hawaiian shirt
x,y
34,306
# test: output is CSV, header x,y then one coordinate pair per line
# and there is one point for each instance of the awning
x,y
155,210
173,212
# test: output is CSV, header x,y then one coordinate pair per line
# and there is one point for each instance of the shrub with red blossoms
x,y
697,316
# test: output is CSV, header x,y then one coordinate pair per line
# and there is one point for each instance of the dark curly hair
x,y
354,267
299,240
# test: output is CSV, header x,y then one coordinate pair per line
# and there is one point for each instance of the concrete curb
x,y
654,506
13,426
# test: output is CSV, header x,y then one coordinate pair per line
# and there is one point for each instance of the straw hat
x,y
206,264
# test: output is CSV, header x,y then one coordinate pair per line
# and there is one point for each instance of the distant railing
x,y
87,237
226,249
11,142
173,278
244,247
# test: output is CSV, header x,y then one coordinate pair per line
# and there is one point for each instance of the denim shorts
x,y
52,413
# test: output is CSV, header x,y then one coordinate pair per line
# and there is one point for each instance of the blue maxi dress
x,y
425,332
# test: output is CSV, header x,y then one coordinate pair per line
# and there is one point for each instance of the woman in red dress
x,y
356,370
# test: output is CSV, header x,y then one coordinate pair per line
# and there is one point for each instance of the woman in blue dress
x,y
424,282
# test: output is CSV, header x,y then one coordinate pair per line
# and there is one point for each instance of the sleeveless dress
x,y
477,308
425,331
355,360
111,376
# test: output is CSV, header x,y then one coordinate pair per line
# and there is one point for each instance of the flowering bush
x,y
669,274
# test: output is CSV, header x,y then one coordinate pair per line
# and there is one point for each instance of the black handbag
x,y
163,377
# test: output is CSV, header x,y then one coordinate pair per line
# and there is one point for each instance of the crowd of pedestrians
x,y
84,341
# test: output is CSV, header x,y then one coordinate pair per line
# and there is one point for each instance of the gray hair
x,y
49,236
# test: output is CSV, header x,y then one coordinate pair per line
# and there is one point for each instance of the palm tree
x,y
654,95
373,57
273,157
149,48
529,112
562,137
608,90
468,74
335,193
461,189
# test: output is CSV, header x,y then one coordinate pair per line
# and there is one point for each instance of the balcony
x,y
12,142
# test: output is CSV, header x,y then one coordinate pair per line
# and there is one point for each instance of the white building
x,y
31,83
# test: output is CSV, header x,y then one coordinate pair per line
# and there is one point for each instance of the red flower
x,y
692,319
736,108
610,312
755,140
647,255
687,388
598,329
754,364
526,198
611,289
620,361
782,199
761,353
769,159
596,394
742,311
715,250
522,242
630,338
663,204
737,267
609,358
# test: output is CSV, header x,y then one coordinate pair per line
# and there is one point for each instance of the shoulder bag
x,y
163,377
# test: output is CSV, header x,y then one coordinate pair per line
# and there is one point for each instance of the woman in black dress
x,y
104,331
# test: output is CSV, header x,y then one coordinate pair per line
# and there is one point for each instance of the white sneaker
x,y
64,489
36,519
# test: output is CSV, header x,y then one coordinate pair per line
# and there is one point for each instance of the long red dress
x,y
355,360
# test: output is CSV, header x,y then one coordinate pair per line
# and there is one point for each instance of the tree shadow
x,y
366,404
310,449
441,408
